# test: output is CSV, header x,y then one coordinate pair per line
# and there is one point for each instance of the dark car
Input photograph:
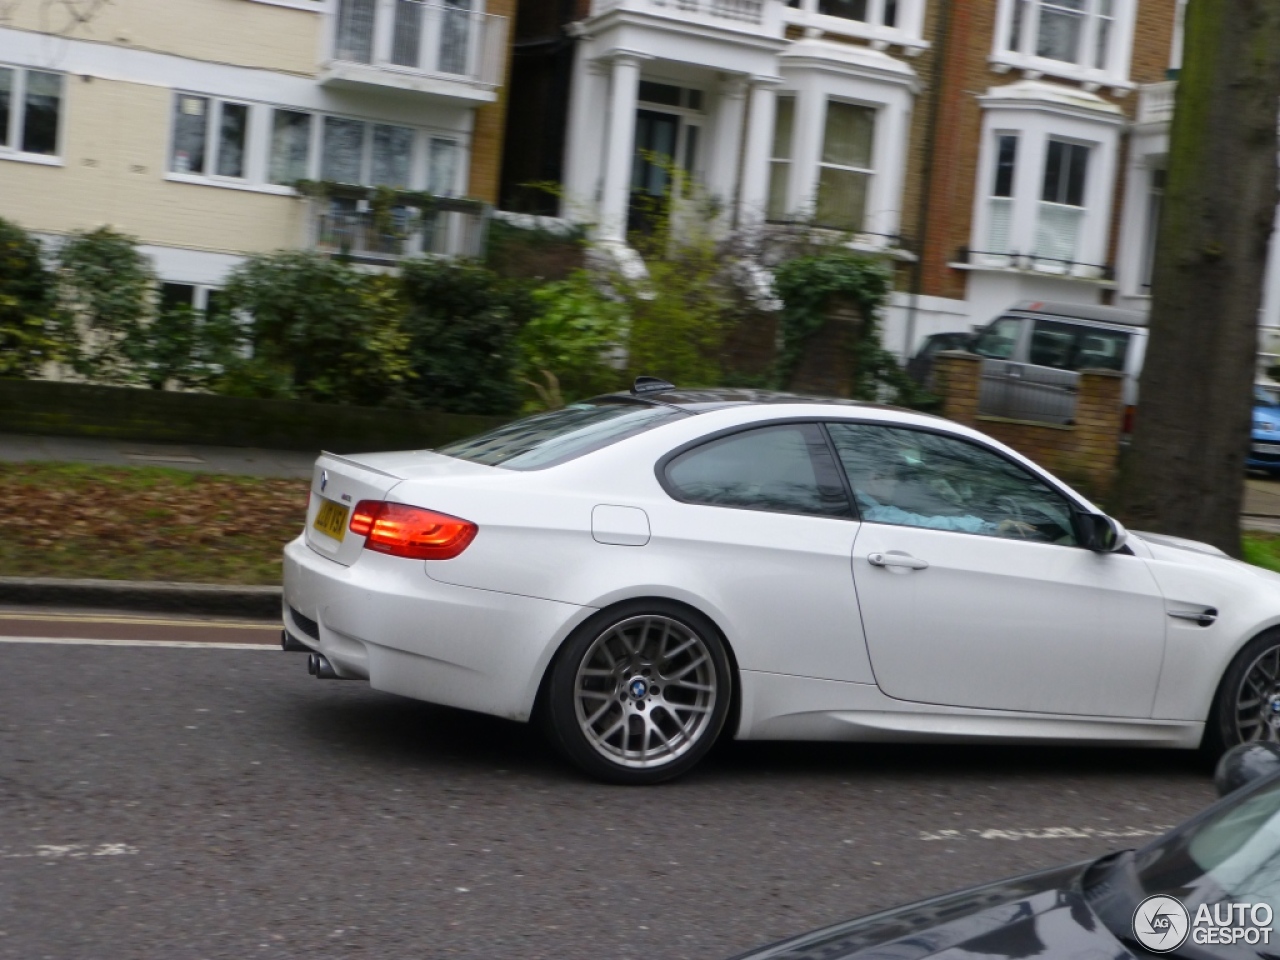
x,y
1207,890
921,365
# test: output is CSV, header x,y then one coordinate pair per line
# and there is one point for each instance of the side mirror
x,y
1245,763
1100,533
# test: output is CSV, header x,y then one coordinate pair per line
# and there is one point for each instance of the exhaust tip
x,y
318,666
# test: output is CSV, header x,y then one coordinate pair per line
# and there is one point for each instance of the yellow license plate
x,y
331,519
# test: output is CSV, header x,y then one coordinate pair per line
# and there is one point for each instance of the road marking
x,y
90,618
92,642
1045,833
74,851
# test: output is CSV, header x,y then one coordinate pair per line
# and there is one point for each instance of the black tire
x,y
1230,724
639,693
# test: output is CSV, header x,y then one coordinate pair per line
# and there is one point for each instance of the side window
x,y
1054,345
998,341
915,478
783,469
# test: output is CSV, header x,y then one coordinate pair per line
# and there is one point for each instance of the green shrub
x,y
317,330
569,349
28,332
462,321
107,287
533,253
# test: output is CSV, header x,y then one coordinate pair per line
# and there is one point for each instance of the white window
x,y
290,146
845,168
780,158
1086,40
1000,204
443,167
1151,229
375,154
30,111
1062,205
899,22
210,137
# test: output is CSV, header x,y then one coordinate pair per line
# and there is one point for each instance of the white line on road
x,y
73,850
144,621
1045,833
92,642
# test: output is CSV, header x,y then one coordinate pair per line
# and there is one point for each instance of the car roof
x,y
716,398
1080,311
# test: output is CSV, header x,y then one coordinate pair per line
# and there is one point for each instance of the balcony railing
x,y
450,228
1155,102
412,37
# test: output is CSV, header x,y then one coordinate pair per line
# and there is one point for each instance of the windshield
x,y
557,436
1266,395
1230,857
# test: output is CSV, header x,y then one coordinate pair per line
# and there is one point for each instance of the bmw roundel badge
x,y
639,688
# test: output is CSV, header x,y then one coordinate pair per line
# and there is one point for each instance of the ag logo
x,y
1161,924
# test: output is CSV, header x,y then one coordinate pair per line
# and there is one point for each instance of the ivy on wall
x,y
809,286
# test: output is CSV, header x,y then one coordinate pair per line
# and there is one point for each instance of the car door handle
x,y
1204,618
903,560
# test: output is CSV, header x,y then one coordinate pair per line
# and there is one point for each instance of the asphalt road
x,y
187,801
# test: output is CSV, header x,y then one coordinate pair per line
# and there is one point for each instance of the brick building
x,y
187,123
996,150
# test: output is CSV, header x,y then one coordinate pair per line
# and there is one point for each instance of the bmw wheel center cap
x,y
639,688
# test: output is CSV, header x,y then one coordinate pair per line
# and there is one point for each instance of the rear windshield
x,y
557,436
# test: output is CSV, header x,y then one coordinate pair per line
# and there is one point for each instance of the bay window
x,y
1046,181
30,111
845,167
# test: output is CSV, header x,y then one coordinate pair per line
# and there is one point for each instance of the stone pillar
x,y
722,166
620,148
1098,422
957,377
754,195
827,366
585,140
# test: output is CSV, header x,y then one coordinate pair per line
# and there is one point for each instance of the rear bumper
x,y
383,619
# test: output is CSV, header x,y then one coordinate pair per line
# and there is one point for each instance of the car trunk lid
x,y
339,483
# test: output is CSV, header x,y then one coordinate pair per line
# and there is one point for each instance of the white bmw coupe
x,y
644,572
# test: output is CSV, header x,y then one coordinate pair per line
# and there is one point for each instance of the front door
x,y
657,136
974,592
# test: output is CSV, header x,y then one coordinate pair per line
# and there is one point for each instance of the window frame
x,y
1075,502
1075,506
1019,52
660,468
869,173
213,140
11,148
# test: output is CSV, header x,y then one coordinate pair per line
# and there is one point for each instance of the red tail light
x,y
412,532
1130,414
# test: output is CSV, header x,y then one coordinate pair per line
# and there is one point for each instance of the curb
x,y
204,599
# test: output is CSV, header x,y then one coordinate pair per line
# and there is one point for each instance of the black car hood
x,y
1039,915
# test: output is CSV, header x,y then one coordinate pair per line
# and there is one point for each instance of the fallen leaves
x,y
145,523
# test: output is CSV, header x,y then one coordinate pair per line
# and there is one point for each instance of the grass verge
x,y
145,523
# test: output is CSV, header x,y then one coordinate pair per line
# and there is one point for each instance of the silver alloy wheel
x,y
645,691
1258,699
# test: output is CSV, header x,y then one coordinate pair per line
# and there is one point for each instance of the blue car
x,y
1264,447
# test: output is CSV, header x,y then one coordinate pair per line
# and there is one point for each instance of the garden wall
x,y
123,413
1085,453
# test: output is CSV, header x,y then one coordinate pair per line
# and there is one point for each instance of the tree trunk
x,y
1185,475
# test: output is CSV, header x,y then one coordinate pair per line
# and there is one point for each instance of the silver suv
x,y
1033,354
